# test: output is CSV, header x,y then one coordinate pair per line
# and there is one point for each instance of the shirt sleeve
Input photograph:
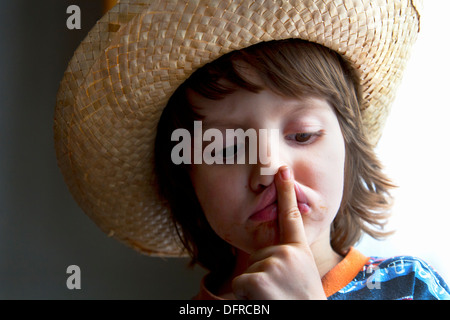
x,y
428,285
396,278
409,278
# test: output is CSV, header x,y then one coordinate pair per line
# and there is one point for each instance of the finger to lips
x,y
269,263
289,216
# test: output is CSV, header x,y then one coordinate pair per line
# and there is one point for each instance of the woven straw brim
x,y
122,74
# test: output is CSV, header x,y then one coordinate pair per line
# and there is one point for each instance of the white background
x,y
415,149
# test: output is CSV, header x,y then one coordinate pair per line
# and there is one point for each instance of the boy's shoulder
x,y
395,278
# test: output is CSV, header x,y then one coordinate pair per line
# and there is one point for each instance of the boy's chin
x,y
265,235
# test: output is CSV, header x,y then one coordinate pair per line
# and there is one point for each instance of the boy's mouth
x,y
268,213
267,208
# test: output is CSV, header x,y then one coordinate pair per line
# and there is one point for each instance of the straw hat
x,y
122,74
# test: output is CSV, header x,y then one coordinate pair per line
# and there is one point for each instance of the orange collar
x,y
336,279
344,272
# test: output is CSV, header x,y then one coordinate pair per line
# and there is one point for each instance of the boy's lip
x,y
267,208
268,197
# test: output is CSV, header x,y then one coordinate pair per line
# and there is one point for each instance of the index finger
x,y
289,216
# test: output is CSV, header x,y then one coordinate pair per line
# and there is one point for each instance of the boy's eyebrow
x,y
291,108
305,106
219,124
299,105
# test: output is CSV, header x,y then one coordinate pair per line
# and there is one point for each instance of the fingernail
x,y
285,173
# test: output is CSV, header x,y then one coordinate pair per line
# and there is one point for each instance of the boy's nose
x,y
269,152
269,160
259,182
262,175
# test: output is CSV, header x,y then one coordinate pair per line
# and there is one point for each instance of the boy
x,y
277,236
328,104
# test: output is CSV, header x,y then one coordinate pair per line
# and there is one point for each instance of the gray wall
x,y
42,230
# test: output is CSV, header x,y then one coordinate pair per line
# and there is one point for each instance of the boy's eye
x,y
230,150
304,137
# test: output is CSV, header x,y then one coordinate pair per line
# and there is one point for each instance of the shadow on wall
x,y
42,230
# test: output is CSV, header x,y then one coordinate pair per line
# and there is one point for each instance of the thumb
x,y
289,217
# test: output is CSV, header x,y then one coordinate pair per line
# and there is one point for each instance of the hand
x,y
287,270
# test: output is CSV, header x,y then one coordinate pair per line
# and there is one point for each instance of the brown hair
x,y
292,68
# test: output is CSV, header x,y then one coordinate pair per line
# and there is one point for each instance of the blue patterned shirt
x,y
397,278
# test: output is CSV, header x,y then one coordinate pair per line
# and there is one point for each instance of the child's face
x,y
230,193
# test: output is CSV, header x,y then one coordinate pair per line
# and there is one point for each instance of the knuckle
x,y
272,264
236,282
293,213
285,252
298,253
287,185
248,280
254,281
